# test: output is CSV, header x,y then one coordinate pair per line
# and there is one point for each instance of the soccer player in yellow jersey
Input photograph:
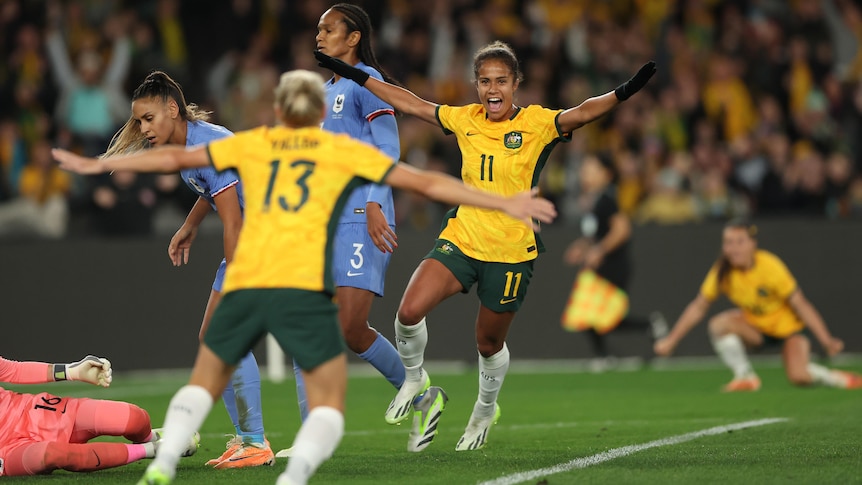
x,y
503,149
296,179
770,309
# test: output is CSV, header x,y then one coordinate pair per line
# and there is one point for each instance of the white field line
x,y
625,451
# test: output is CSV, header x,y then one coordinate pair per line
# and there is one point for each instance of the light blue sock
x,y
301,398
246,400
384,357
227,397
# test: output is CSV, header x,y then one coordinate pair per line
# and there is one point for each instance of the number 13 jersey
x,y
296,183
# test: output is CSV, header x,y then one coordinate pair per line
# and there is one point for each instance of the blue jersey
x,y
353,110
206,181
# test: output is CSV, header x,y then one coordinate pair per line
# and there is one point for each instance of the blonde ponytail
x,y
300,97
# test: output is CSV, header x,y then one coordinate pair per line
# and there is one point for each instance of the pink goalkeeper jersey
x,y
31,417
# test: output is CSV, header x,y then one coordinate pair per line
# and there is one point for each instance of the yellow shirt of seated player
x,y
504,158
295,183
761,292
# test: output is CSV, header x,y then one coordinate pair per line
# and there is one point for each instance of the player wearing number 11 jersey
x,y
503,149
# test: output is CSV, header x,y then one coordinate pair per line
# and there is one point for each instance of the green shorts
x,y
305,324
770,342
501,286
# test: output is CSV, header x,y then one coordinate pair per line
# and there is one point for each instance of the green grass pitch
x,y
548,419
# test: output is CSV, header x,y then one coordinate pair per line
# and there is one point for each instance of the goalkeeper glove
x,y
92,369
341,68
636,83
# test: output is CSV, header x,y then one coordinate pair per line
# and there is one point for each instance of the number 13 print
x,y
308,168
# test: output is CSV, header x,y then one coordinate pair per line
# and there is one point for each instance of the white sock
x,y
315,442
149,449
411,342
732,352
492,371
822,375
186,412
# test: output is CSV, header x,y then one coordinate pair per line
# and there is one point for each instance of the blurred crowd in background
x,y
756,108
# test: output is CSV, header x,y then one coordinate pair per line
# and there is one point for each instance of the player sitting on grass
x,y
771,310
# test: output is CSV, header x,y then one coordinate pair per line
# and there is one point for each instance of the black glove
x,y
342,68
636,83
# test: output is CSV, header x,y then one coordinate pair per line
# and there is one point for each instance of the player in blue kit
x,y
365,238
160,116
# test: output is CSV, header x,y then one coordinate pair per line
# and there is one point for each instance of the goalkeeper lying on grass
x,y
40,433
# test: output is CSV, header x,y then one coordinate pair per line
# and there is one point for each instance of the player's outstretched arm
x,y
595,107
691,316
90,369
400,99
525,206
164,159
811,318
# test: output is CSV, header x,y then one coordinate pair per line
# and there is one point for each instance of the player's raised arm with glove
x,y
597,106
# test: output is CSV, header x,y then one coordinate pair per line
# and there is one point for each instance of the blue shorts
x,y
219,279
356,261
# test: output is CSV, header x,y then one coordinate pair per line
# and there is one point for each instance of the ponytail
x,y
300,97
156,85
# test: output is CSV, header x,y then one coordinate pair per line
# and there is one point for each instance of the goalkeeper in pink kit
x,y
40,433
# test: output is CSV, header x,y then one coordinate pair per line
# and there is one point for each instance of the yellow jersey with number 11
x,y
503,158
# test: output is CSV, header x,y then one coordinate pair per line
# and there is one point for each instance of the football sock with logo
x,y
822,375
411,347
301,397
732,352
315,442
246,408
383,356
186,412
492,371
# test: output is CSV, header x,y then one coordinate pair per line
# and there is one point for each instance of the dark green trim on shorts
x,y
305,324
501,287
770,342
